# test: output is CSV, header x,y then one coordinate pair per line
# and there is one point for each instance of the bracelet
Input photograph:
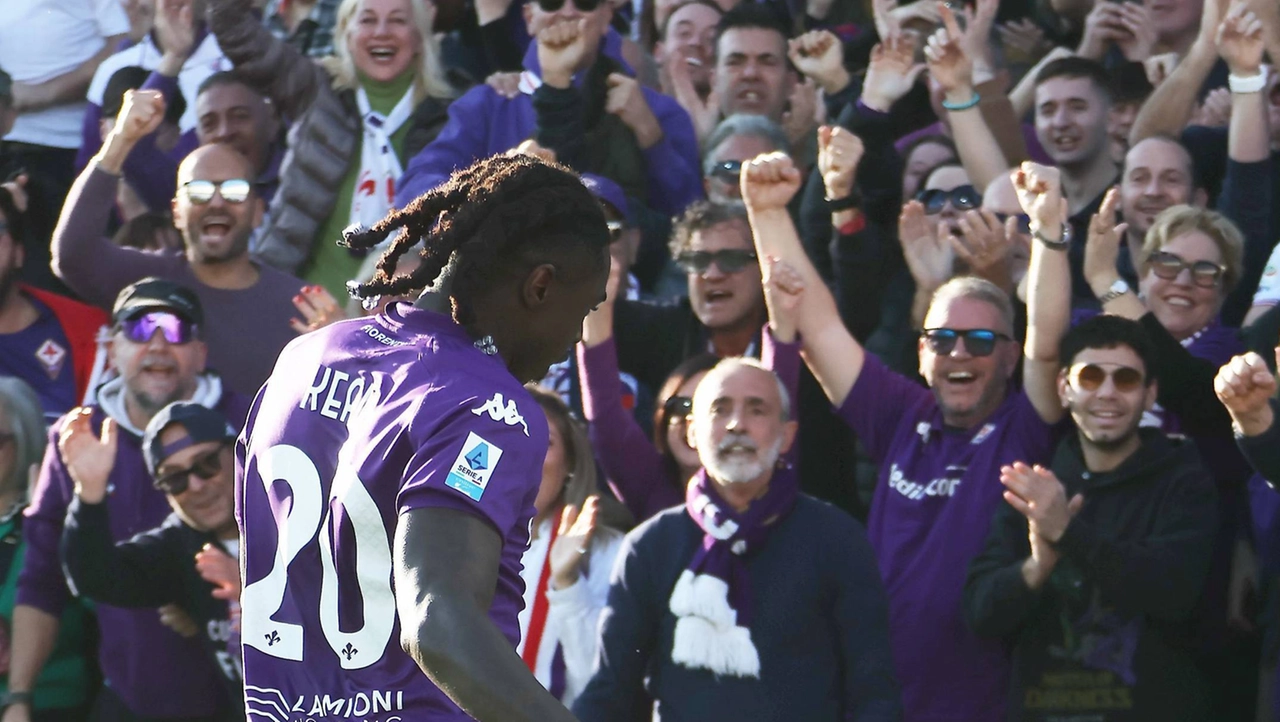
x,y
848,203
1247,84
948,105
1060,245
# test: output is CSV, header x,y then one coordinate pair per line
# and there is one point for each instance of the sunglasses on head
x,y
728,171
977,341
1090,377
677,408
176,329
551,6
1024,221
729,260
235,190
962,198
1168,266
205,466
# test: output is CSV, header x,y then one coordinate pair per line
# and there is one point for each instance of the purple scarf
x,y
712,598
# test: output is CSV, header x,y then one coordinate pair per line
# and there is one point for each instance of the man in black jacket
x,y
188,450
1093,569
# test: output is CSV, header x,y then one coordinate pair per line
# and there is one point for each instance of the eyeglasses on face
x,y
962,198
551,6
977,341
677,408
1169,266
1090,377
728,260
176,329
234,190
206,466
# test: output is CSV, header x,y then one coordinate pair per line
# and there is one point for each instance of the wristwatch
x,y
1117,289
11,698
1061,244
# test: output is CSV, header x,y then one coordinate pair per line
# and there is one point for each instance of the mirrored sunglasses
x,y
977,341
962,198
176,329
235,190
1169,266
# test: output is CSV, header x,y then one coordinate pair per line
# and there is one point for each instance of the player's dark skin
x,y
446,561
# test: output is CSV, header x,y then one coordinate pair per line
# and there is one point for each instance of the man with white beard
x,y
751,601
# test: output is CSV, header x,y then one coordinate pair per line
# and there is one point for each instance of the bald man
x,y
248,305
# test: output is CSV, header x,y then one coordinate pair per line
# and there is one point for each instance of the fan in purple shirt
x,y
939,449
389,466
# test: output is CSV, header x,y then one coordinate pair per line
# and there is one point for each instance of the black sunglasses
x,y
728,260
977,341
585,6
677,408
729,171
1024,221
1090,377
205,466
1168,266
962,198
235,190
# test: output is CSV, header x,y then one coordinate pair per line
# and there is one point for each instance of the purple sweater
x,y
245,329
482,123
154,671
636,470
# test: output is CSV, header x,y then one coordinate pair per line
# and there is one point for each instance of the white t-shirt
x,y
42,39
205,60
1268,293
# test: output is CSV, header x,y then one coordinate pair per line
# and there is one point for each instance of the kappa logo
x,y
506,413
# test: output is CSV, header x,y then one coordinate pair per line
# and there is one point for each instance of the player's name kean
x,y
373,706
337,394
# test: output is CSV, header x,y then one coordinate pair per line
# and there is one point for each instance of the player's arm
x,y
446,571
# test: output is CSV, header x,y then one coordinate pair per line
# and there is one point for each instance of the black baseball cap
x,y
200,422
157,293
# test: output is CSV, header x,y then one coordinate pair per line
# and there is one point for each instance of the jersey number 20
x,y
263,598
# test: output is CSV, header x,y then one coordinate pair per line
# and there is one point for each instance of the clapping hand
x,y
573,541
1103,244
949,65
221,570
892,73
839,153
985,245
1240,41
318,308
925,247
89,458
1024,39
1040,497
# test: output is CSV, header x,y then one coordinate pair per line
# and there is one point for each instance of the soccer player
x,y
389,466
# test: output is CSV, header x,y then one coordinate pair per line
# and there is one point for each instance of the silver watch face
x,y
1119,287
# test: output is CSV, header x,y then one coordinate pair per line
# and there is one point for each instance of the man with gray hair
x,y
753,600
939,449
737,139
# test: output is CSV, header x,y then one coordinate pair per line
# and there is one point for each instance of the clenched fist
x,y
768,182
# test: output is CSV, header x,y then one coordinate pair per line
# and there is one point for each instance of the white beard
x,y
739,469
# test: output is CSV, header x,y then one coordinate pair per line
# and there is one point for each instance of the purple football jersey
x,y
360,422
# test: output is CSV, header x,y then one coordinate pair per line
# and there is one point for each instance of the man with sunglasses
x,y
939,451
149,670
188,451
1093,569
216,209
573,70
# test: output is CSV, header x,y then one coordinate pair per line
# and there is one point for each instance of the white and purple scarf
x,y
712,598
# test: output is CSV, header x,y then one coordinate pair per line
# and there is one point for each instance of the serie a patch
x,y
476,461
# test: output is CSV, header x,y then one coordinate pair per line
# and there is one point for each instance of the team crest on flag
x,y
470,472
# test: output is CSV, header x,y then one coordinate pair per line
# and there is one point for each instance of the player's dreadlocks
x,y
499,215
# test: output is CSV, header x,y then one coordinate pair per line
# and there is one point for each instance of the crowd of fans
x,y
996,279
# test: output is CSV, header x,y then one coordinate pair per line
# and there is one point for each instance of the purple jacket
x,y
635,469
483,123
154,671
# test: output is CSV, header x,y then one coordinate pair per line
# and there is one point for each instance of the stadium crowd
x,y
935,379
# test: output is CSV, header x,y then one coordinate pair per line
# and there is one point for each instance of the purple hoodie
x,y
153,670
483,123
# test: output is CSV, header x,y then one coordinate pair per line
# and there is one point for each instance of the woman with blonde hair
x,y
575,537
356,115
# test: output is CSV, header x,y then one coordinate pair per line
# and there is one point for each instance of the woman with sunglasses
x,y
357,116
575,538
61,692
647,472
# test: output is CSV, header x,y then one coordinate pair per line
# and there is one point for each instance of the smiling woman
x,y
354,113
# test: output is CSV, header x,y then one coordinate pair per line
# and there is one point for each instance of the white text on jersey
x,y
338,402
